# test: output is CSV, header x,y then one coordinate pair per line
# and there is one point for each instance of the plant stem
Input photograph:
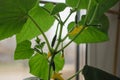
x,y
88,9
68,17
49,71
94,14
59,38
78,4
65,37
61,27
59,41
82,29
79,32
71,40
53,15
74,75
65,22
50,65
48,44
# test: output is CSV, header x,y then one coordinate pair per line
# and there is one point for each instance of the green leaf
x,y
91,73
97,8
59,62
83,4
13,15
23,50
58,8
105,5
42,18
92,34
39,66
103,23
49,7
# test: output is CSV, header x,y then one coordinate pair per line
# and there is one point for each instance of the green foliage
x,y
58,8
13,15
23,50
39,66
49,7
59,62
27,19
97,8
94,16
29,31
91,73
91,34
79,4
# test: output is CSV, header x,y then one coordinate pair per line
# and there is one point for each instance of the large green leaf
x,y
91,73
39,66
105,5
23,50
103,23
92,34
58,8
42,18
59,62
75,3
97,8
13,15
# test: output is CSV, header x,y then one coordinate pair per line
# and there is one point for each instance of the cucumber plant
x,y
26,19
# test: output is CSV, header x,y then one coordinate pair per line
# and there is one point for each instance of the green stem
x,y
62,24
61,28
50,65
53,15
65,22
78,4
57,28
58,15
88,9
71,40
94,14
48,44
49,72
57,19
74,75
59,38
65,37
68,17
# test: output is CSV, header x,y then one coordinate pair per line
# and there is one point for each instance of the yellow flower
x,y
49,55
57,76
76,30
